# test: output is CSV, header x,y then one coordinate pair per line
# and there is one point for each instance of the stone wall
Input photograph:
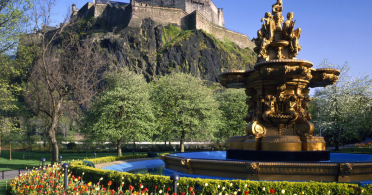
x,y
205,7
161,15
100,11
87,10
180,4
221,33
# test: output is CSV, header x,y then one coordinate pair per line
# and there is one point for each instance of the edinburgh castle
x,y
188,14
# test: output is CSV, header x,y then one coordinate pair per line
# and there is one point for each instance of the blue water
x,y
156,167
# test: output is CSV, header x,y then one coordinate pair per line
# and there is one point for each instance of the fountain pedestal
x,y
278,95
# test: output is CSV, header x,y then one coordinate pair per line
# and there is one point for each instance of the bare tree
x,y
65,76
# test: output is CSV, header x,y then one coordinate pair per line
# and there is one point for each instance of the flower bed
x,y
363,145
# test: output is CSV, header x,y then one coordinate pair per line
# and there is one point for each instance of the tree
x,y
67,75
342,110
185,108
123,111
12,20
234,108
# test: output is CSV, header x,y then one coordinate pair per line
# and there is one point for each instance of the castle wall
x,y
205,7
221,33
180,4
87,10
161,15
100,11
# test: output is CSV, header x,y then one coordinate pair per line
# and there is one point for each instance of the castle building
x,y
188,14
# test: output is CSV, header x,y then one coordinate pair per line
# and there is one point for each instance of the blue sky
x,y
337,30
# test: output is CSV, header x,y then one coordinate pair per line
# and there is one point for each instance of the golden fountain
x,y
279,142
277,88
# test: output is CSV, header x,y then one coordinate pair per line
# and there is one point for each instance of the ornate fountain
x,y
279,143
279,126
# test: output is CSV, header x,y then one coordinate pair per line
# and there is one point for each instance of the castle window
x,y
197,2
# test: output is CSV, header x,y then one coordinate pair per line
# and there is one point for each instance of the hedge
x,y
210,186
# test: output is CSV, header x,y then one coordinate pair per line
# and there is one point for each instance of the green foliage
x,y
233,107
343,110
12,19
124,111
185,107
170,33
231,48
209,186
182,36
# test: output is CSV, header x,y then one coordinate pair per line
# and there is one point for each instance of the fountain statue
x,y
279,143
278,96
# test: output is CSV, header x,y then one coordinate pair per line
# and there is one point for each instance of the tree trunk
x,y
44,139
337,142
119,147
182,141
52,132
10,150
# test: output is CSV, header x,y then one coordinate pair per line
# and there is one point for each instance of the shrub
x,y
210,186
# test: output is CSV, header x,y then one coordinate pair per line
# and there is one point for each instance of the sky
x,y
336,30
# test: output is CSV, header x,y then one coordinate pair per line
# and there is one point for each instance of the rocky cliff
x,y
157,50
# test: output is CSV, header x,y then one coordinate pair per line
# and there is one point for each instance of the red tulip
x,y
272,191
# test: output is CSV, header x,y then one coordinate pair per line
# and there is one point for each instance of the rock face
x,y
158,50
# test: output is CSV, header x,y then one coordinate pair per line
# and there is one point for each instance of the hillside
x,y
157,50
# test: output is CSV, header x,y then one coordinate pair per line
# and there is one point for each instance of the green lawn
x,y
3,187
357,150
34,159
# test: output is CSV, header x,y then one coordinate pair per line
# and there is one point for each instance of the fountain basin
x,y
341,167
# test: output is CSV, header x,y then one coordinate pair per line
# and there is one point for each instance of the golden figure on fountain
x,y
278,95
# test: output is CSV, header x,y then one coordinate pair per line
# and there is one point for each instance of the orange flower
x,y
110,183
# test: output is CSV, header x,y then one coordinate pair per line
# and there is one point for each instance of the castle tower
x,y
74,10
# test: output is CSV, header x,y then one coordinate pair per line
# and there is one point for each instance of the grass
x,y
356,150
3,186
34,159
170,32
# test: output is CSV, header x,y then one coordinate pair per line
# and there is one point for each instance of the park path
x,y
4,175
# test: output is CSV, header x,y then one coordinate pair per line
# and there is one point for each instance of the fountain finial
x,y
277,40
